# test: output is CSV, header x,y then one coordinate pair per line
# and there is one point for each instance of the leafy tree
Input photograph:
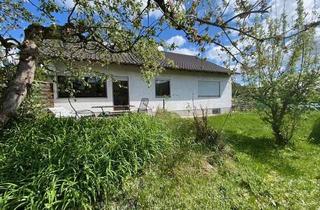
x,y
283,74
115,26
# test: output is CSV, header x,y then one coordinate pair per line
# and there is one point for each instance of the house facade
x,y
193,84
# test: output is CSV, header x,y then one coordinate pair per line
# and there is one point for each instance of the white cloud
x,y
155,14
179,41
213,53
186,51
65,3
176,40
289,7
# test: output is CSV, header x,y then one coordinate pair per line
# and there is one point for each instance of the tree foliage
x,y
283,74
117,26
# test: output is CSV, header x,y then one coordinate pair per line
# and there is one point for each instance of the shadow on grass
x,y
314,136
263,151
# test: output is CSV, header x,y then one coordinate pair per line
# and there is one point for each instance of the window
x,y
216,111
89,87
208,89
162,88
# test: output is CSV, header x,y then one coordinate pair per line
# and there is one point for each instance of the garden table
x,y
118,109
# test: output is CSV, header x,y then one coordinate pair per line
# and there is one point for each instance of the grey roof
x,y
193,63
181,62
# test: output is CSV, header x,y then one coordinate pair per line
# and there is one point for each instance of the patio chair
x,y
143,107
85,113
81,113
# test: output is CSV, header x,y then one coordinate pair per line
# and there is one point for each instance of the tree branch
x,y
247,13
228,51
41,9
283,36
72,11
9,43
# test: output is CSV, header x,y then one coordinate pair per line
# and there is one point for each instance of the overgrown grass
x,y
89,163
315,133
55,163
255,174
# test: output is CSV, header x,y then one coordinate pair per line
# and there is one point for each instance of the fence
x,y
46,93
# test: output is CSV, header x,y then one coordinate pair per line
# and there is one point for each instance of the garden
x,y
262,152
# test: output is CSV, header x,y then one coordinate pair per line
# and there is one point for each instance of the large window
x,y
89,87
162,88
208,89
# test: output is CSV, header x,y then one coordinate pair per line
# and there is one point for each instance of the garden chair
x,y
81,113
143,107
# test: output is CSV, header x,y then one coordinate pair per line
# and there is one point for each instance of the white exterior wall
x,y
183,89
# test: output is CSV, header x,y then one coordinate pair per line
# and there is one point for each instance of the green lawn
x,y
252,174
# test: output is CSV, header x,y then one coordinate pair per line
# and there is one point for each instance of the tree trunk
x,y
17,89
279,137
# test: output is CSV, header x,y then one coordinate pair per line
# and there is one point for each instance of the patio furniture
x,y
63,112
118,109
143,107
81,113
85,113
60,112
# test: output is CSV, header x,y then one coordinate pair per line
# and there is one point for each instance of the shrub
x,y
204,132
315,133
74,164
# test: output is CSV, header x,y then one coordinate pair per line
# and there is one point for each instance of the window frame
x,y
155,87
210,96
105,95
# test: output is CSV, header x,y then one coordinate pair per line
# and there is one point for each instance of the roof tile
x,y
181,62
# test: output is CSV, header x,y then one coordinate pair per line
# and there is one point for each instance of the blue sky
x,y
214,53
170,36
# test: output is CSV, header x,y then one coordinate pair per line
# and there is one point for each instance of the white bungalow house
x,y
191,84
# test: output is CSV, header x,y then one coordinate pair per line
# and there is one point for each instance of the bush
x,y
74,164
315,133
204,132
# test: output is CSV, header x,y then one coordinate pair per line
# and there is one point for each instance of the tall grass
x,y
204,132
74,164
315,133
